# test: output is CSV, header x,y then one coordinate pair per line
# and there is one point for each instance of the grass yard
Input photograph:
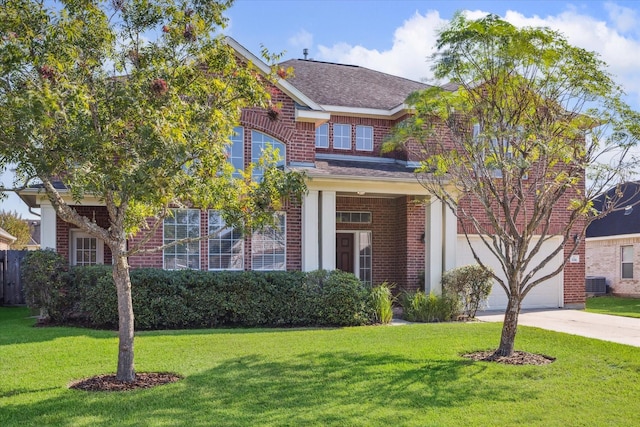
x,y
409,375
618,306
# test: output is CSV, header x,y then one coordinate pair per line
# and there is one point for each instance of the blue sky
x,y
397,36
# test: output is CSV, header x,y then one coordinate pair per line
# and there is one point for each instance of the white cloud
x,y
617,50
413,43
624,18
302,39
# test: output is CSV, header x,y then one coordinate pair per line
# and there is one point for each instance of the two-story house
x,y
365,212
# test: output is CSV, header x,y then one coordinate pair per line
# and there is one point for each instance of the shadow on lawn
x,y
17,326
313,389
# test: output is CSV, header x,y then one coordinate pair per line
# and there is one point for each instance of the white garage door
x,y
546,295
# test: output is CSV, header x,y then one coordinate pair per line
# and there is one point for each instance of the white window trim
x,y
233,139
79,234
253,267
622,262
164,242
242,239
325,142
275,144
362,139
341,125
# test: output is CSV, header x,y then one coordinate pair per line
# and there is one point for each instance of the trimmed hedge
x,y
199,299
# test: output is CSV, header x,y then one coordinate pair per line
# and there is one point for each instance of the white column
x,y
328,230
310,232
433,246
48,227
450,238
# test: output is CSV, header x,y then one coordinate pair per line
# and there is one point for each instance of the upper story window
x,y
342,137
627,262
183,224
322,136
235,150
364,138
497,152
259,142
226,247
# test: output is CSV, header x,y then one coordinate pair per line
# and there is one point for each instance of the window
x,y
364,251
183,224
342,137
226,248
322,136
259,142
498,154
627,262
235,150
85,249
268,247
364,138
353,217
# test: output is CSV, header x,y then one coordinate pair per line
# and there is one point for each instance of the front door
x,y
344,252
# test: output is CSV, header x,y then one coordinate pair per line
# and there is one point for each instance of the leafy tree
x,y
133,102
530,129
14,224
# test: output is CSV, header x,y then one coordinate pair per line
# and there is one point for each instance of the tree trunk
x,y
509,327
122,281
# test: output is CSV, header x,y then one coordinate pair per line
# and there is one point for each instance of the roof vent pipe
x,y
305,52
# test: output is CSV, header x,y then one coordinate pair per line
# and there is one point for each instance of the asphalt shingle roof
x,y
327,83
625,221
347,168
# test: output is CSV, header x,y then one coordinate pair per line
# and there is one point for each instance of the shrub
x,y
381,299
419,307
342,298
471,284
195,299
43,275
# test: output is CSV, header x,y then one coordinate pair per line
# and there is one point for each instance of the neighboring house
x,y
364,212
6,240
34,230
613,243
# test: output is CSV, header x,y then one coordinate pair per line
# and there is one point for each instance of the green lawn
x,y
618,306
364,376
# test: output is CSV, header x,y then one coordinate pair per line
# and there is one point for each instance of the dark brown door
x,y
344,252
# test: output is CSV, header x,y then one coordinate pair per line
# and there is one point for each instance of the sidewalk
x,y
623,330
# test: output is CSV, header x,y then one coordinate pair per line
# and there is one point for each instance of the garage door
x,y
546,295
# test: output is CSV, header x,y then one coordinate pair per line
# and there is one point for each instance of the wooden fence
x,y
11,291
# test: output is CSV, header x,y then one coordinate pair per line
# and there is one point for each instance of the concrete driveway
x,y
623,330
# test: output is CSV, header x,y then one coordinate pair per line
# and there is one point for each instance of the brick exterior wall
x,y
604,258
63,229
396,229
397,223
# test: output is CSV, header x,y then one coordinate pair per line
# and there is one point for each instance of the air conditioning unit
x,y
596,285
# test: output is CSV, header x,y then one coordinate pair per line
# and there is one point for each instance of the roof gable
x,y
331,84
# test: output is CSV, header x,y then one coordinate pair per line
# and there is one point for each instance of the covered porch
x,y
378,223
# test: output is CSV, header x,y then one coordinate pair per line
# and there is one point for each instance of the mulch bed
x,y
518,358
108,382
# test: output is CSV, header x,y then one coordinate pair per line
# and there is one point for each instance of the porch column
x,y
327,230
310,232
47,227
450,238
433,244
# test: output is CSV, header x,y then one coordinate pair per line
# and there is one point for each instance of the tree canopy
x,y
14,224
526,132
132,102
